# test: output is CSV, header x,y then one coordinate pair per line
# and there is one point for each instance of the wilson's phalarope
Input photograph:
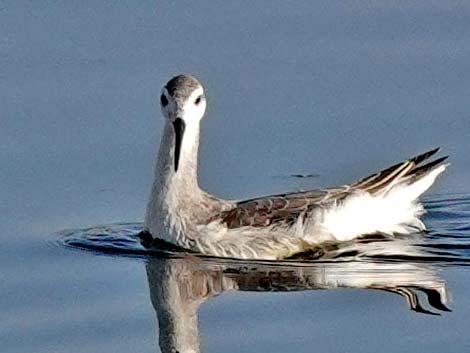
x,y
277,226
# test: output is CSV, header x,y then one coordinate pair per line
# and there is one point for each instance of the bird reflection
x,y
178,286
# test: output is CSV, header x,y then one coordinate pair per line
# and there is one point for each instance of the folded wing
x,y
285,209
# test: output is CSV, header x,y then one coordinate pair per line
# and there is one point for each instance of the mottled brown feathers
x,y
286,208
279,209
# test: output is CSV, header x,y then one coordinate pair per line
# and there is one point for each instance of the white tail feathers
x,y
394,210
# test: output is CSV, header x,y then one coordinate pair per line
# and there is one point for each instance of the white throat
x,y
174,191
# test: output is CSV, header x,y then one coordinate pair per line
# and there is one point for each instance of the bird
x,y
272,227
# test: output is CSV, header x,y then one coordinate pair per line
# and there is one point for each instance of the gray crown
x,y
182,86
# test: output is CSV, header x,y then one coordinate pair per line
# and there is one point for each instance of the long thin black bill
x,y
179,126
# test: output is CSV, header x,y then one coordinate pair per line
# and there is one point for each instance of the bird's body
x,y
277,226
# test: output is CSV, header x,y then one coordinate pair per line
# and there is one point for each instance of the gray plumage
x,y
276,226
182,86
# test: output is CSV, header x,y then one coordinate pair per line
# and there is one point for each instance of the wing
x,y
286,208
408,172
265,211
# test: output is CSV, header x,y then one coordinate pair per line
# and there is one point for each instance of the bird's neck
x,y
185,178
174,192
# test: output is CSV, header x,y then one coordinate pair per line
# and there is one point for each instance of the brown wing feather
x,y
270,210
408,170
286,208
375,180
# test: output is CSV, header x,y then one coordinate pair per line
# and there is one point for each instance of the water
x,y
290,89
414,267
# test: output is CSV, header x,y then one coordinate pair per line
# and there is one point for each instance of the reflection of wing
x,y
286,208
406,280
178,286
411,295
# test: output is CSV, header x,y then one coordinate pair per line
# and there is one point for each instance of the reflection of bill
x,y
178,286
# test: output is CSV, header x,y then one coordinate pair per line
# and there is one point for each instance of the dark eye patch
x,y
198,100
163,100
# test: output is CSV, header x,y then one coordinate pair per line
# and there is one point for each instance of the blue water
x,y
337,90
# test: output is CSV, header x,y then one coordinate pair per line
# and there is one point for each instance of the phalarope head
x,y
183,103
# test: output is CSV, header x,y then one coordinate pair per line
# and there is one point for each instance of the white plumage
x,y
394,211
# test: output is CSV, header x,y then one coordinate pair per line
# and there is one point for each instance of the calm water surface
x,y
327,89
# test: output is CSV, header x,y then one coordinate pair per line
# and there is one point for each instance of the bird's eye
x,y
198,100
163,100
